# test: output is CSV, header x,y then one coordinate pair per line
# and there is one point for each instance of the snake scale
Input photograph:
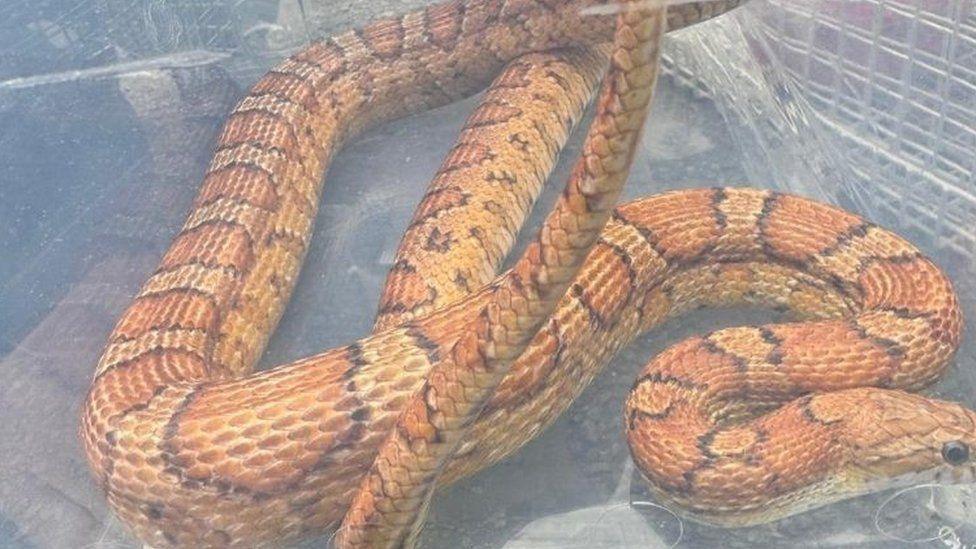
x,y
739,426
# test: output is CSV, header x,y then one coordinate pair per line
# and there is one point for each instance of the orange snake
x,y
192,449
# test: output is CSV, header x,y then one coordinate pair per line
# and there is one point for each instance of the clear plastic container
x,y
108,111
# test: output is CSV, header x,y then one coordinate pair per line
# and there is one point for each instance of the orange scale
x,y
734,443
197,245
734,477
285,83
240,419
290,452
146,475
241,449
258,460
238,182
323,442
306,460
255,431
281,471
272,441
285,423
122,473
122,388
248,477
199,470
134,459
325,56
654,398
192,441
213,424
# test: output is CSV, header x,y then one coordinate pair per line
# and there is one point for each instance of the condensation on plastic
x,y
108,112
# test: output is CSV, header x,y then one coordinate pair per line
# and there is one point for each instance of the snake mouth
x,y
951,475
942,474
814,496
801,500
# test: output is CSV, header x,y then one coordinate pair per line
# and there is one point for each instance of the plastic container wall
x,y
108,113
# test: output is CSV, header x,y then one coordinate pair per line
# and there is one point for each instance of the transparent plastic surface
x,y
108,112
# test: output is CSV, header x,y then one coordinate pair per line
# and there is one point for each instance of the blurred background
x,y
108,114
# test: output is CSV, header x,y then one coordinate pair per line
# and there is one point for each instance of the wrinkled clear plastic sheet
x,y
108,112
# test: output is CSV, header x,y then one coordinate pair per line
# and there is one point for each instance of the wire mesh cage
x,y
880,96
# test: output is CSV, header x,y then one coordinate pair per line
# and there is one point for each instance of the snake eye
x,y
955,452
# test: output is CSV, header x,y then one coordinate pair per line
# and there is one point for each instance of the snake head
x,y
900,439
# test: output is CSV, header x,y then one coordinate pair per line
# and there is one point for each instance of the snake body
x,y
192,448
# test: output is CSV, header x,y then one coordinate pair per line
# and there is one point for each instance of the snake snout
x,y
930,440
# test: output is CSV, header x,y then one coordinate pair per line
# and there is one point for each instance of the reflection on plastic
x,y
950,538
919,508
616,523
